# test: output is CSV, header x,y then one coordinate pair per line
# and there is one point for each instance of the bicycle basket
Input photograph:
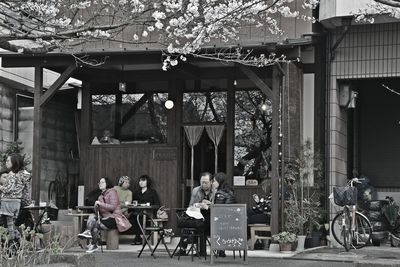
x,y
345,195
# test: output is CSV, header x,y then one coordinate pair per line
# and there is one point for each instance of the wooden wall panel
x,y
117,160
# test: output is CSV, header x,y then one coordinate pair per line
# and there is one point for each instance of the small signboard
x,y
228,225
239,180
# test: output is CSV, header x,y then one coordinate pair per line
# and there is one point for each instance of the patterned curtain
x,y
215,133
193,134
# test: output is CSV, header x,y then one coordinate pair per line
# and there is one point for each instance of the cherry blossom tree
x,y
379,7
179,27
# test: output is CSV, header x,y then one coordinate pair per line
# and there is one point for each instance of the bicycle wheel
x,y
341,228
363,231
360,237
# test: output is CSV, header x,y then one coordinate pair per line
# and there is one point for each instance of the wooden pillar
x,y
85,137
37,133
230,128
275,151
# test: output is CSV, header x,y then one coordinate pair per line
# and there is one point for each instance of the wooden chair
x,y
258,228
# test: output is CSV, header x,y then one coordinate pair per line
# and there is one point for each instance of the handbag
x,y
162,213
123,223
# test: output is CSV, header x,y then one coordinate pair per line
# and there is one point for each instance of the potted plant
x,y
303,177
285,240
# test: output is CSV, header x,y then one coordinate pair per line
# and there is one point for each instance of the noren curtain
x,y
193,134
215,133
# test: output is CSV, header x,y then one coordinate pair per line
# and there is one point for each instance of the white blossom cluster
x,y
372,10
183,27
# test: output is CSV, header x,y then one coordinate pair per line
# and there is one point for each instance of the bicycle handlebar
x,y
357,180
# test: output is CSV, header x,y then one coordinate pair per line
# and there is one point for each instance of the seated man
x,y
107,138
202,196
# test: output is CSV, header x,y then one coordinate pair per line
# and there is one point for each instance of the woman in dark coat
x,y
145,194
224,195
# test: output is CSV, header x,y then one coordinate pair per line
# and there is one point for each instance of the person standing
x,y
15,184
111,216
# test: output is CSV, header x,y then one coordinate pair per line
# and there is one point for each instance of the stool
x,y
258,228
112,239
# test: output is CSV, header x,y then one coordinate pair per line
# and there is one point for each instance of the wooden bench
x,y
258,228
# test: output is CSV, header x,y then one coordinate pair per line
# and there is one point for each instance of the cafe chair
x,y
190,236
148,231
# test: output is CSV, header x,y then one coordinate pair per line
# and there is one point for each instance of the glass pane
x,y
252,152
144,118
103,114
204,107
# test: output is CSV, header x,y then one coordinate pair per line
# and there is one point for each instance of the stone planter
x,y
301,239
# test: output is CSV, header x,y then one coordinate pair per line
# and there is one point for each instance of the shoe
x,y
92,248
85,234
180,252
137,241
221,253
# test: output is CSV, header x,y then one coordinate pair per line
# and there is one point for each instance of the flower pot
x,y
273,247
301,239
285,247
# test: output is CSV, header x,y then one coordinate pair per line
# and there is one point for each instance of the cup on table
x,y
33,203
69,211
134,203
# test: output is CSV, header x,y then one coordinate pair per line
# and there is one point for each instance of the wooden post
x,y
85,137
230,128
37,133
275,150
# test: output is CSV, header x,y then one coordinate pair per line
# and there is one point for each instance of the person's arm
x,y
193,197
113,202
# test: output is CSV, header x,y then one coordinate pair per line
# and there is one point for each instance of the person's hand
x,y
206,202
97,203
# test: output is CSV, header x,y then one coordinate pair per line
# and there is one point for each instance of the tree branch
x,y
393,3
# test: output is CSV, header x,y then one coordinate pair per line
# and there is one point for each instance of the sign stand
x,y
228,223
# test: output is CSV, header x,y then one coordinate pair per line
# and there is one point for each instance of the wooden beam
x,y
276,84
133,109
57,84
257,80
37,129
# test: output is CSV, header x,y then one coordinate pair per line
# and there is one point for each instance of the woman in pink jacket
x,y
111,216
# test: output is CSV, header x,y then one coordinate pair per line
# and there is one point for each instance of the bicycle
x,y
350,228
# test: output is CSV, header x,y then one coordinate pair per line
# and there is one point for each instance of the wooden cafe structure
x,y
125,91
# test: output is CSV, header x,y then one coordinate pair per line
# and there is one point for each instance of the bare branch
x,y
393,3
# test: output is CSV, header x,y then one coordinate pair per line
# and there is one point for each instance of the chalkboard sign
x,y
228,224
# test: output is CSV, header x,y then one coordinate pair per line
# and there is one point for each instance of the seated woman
x,y
224,195
145,194
111,216
124,194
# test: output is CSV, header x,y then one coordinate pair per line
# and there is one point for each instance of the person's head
x,y
205,181
105,183
219,181
145,181
15,162
107,133
124,182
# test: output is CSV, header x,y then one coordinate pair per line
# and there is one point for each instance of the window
x,y
204,107
253,125
131,118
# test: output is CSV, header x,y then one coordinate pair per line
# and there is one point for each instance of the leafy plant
x,y
284,237
303,211
26,252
